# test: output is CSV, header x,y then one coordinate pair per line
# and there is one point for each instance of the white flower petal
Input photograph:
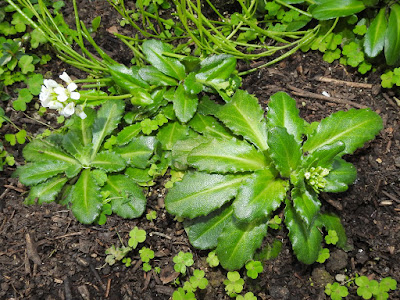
x,y
80,113
65,77
75,95
50,83
61,92
72,86
55,105
68,110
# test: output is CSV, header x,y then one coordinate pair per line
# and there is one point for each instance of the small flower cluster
x,y
315,178
55,96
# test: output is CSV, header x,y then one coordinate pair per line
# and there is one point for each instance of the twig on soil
x,y
31,250
160,234
68,235
391,197
388,99
4,193
14,188
98,278
147,281
299,92
108,288
348,83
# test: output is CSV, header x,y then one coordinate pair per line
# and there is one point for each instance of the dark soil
x,y
46,254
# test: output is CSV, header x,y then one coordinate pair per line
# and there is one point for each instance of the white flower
x,y
54,104
79,111
62,93
68,110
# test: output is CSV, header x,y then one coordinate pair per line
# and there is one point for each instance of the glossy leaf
x,y
108,162
353,128
170,66
184,104
107,120
47,191
138,152
216,67
172,133
244,116
282,112
306,240
208,126
83,127
392,38
73,144
238,242
191,85
34,173
227,156
182,149
332,222
85,198
331,9
284,150
259,196
154,77
203,232
374,39
340,177
126,78
306,204
198,194
127,198
323,156
128,133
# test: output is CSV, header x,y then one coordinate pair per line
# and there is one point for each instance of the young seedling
x,y
151,215
183,260
323,255
181,294
212,259
146,255
275,222
136,236
247,296
254,268
336,291
331,237
366,288
198,280
234,284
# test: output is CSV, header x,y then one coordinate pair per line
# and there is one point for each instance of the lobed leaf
x,y
227,156
259,196
244,116
306,204
306,240
138,152
203,232
323,156
238,242
353,128
392,37
127,198
209,126
170,66
284,150
282,112
340,177
34,173
198,193
47,191
374,39
108,162
85,198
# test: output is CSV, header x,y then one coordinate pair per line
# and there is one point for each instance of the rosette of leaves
x,y
235,183
75,169
174,79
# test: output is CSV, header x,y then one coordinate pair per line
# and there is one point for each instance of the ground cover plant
x,y
158,115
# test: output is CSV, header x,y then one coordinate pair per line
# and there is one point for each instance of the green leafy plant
x,y
5,158
254,268
136,236
151,215
183,260
278,156
331,237
212,259
146,255
181,294
323,255
247,296
336,291
75,166
234,284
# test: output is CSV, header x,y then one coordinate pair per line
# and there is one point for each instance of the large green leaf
x,y
72,143
108,162
392,38
170,66
306,204
208,126
330,9
259,196
203,232
216,67
198,193
46,191
340,177
282,112
106,121
244,116
155,77
332,222
127,198
128,133
42,150
284,150
85,198
138,152
238,242
353,128
83,127
172,133
185,104
227,156
374,39
34,173
127,79
323,156
182,149
306,240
